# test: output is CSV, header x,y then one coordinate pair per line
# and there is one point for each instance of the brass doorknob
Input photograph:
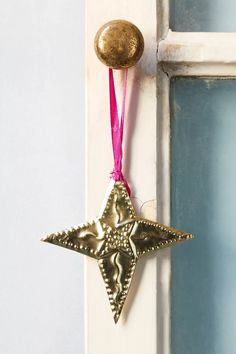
x,y
119,44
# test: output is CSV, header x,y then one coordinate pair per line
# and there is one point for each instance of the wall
x,y
41,175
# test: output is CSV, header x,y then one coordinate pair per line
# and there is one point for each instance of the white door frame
x,y
144,326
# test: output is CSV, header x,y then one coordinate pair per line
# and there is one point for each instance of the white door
x,y
181,139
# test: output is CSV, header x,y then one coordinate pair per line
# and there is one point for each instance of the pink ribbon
x,y
117,128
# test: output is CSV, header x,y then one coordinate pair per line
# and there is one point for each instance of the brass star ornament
x,y
117,238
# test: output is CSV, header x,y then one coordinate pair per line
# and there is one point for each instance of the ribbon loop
x,y
117,128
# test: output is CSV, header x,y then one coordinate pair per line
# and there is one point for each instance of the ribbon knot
x,y
117,175
117,128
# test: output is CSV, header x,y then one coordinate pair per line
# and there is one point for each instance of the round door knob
x,y
119,44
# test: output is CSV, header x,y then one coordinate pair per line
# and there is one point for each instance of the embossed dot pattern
x,y
117,239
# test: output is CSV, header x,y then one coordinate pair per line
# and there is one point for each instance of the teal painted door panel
x,y
203,142
203,15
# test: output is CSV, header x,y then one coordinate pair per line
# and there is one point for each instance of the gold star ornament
x,y
117,239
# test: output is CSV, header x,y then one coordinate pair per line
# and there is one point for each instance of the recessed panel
x,y
203,143
203,15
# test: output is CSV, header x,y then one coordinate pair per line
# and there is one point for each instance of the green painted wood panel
x,y
203,15
203,142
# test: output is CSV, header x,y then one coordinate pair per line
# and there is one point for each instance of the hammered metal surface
x,y
117,238
119,44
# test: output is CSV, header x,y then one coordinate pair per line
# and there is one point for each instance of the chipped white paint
x,y
198,54
162,9
163,186
163,209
